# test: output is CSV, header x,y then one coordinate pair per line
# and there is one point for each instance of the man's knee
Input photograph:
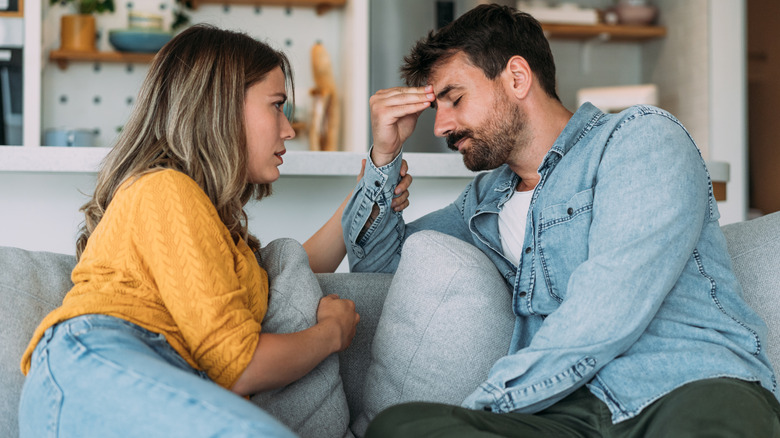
x,y
718,408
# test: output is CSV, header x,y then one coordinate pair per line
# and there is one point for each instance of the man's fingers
x,y
411,99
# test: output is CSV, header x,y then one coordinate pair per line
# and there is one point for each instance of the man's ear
x,y
518,76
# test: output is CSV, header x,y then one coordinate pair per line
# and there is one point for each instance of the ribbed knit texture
x,y
162,258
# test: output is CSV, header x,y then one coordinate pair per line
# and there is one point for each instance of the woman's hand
x,y
339,315
401,192
401,198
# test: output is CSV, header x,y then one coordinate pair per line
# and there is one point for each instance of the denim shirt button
x,y
522,294
570,211
487,409
528,250
378,184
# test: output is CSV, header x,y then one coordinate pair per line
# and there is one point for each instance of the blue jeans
x,y
101,376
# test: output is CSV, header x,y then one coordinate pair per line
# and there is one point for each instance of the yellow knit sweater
x,y
162,258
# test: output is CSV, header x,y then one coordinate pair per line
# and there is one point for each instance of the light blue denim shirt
x,y
625,284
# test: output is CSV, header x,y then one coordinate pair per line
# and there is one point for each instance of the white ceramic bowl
x,y
639,15
142,20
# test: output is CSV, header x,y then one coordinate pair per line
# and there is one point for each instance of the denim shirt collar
x,y
581,122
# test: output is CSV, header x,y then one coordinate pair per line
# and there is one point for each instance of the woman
x,y
168,297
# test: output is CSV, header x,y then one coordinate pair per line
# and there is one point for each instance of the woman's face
x,y
266,127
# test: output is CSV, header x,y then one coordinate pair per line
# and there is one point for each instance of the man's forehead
x,y
448,64
455,72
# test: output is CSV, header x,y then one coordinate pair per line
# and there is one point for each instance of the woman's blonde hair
x,y
189,116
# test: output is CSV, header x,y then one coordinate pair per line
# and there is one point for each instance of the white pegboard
x,y
100,96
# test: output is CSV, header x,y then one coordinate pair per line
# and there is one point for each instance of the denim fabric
x,y
625,285
100,376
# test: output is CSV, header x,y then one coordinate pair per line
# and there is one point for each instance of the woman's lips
x,y
279,155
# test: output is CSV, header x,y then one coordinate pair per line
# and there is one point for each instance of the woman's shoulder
x,y
163,186
162,181
162,177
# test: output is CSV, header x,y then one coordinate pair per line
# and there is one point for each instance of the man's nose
x,y
444,122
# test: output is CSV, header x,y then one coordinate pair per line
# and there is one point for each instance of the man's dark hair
x,y
489,35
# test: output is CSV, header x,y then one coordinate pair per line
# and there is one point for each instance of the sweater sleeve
x,y
193,260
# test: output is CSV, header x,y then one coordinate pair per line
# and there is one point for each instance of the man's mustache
x,y
456,137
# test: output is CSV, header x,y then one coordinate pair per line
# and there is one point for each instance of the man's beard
x,y
491,145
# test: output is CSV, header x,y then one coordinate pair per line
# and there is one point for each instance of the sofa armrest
x,y
32,284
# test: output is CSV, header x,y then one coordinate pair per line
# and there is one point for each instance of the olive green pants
x,y
709,408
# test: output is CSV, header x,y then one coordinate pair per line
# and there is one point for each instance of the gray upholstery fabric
x,y
368,291
754,247
315,405
32,284
446,320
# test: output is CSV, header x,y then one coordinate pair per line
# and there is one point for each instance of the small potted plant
x,y
77,31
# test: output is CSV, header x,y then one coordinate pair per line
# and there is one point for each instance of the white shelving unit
x,y
33,62
32,156
296,163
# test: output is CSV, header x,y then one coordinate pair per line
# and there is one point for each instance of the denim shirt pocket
x,y
563,242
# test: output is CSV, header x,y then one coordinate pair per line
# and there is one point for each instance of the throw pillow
x,y
446,319
315,405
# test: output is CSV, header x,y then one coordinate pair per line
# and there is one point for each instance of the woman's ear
x,y
519,76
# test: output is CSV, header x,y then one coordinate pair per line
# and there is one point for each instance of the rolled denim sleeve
x,y
650,203
378,248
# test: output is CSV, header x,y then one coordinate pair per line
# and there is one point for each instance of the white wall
x,y
728,96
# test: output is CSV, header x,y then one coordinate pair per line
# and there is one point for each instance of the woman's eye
x,y
279,105
457,101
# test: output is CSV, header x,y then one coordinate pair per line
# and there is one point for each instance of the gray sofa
x,y
415,334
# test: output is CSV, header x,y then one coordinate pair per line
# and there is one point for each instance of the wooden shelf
x,y
321,6
607,32
63,57
19,12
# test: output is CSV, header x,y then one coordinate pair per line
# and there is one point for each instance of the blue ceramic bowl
x,y
138,40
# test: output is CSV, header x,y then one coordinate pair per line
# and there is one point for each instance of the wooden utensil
x,y
325,114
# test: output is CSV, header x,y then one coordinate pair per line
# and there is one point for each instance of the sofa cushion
x,y
32,284
315,405
754,247
446,320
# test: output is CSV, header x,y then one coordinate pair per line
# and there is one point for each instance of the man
x,y
630,321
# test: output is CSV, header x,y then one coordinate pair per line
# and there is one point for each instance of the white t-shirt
x,y
512,222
